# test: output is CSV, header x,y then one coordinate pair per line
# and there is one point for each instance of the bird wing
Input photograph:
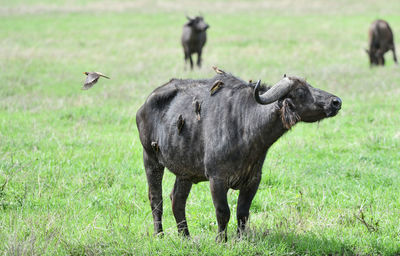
x,y
90,81
92,78
87,86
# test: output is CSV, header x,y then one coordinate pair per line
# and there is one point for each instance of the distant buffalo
x,y
219,130
194,38
380,41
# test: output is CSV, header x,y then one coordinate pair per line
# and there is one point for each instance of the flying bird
x,y
91,79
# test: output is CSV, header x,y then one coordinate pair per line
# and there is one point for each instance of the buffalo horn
x,y
275,93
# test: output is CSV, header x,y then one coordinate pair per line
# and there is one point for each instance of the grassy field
x,y
71,172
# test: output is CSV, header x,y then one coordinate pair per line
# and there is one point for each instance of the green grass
x,y
71,173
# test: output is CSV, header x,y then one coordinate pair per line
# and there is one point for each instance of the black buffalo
x,y
194,38
380,37
219,130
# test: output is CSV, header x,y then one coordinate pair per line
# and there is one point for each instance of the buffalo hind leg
x,y
179,195
154,174
244,202
219,196
394,54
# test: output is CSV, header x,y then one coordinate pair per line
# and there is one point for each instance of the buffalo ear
x,y
288,114
367,51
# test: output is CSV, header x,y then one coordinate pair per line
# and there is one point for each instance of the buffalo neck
x,y
269,126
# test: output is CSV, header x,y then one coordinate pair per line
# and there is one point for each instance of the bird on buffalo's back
x,y
91,79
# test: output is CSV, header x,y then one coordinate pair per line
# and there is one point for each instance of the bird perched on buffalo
x,y
92,78
218,71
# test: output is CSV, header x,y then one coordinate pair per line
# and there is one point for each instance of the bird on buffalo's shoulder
x,y
218,71
91,79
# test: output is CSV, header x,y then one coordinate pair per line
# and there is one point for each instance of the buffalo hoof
x,y
221,238
160,234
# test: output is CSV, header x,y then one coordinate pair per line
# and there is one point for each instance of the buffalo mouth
x,y
323,113
314,117
332,112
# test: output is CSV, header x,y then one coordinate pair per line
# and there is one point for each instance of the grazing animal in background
x,y
91,79
221,137
380,37
194,38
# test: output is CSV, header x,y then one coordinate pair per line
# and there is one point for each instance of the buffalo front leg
x,y
199,59
154,174
219,196
191,61
246,196
179,195
188,57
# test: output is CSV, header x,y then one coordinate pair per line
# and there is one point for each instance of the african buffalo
x,y
194,38
380,37
219,130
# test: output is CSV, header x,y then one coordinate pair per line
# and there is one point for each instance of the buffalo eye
x,y
300,93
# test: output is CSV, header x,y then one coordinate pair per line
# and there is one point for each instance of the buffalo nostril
x,y
336,103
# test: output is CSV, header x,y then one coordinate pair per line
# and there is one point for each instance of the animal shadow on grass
x,y
297,244
308,243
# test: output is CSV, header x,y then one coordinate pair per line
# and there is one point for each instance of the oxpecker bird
x,y
91,79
